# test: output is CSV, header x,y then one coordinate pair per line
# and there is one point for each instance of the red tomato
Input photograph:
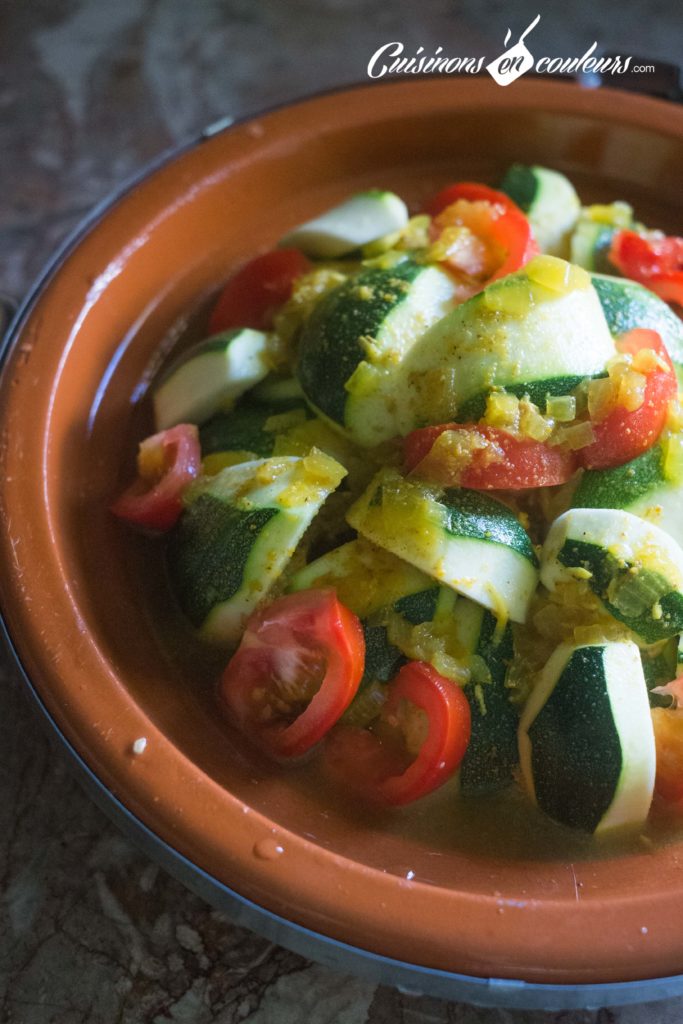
x,y
668,726
295,672
655,262
493,218
256,291
493,459
167,463
373,765
622,435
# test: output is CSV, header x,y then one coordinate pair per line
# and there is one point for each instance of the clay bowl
x,y
432,902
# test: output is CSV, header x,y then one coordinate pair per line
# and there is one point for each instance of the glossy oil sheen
x,y
87,602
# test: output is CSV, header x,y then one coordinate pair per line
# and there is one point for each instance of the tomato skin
x,y
158,505
521,462
505,228
372,767
286,646
655,262
668,727
256,291
623,435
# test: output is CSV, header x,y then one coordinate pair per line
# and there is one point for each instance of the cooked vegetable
x,y
355,222
256,291
485,458
550,202
585,738
468,541
634,568
480,234
426,729
210,376
167,464
324,477
653,259
632,418
237,533
357,337
295,672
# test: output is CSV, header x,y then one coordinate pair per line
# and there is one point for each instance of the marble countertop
x,y
92,932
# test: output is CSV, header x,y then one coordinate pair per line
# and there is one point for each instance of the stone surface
x,y
91,932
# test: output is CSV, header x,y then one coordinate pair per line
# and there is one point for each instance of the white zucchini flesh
x,y
463,539
586,741
361,219
210,377
238,532
518,331
635,568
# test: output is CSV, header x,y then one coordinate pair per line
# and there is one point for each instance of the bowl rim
x,y
643,105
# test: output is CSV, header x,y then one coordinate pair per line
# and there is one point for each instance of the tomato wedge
x,y
167,463
668,727
497,237
374,766
622,434
656,262
256,291
295,672
485,458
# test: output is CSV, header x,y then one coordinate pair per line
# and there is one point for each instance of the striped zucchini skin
x,y
331,343
518,333
243,429
237,533
627,305
463,539
641,487
356,339
586,738
549,200
492,754
621,486
634,568
209,553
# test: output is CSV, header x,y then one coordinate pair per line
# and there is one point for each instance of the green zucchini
x,y
210,376
540,331
627,304
356,338
550,202
586,741
237,533
634,568
491,755
464,539
640,487
593,234
355,222
244,429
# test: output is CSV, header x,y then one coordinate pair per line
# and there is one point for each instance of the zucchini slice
x,y
540,331
358,335
359,220
634,568
627,304
593,234
640,487
464,539
549,201
492,755
210,376
586,742
237,533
